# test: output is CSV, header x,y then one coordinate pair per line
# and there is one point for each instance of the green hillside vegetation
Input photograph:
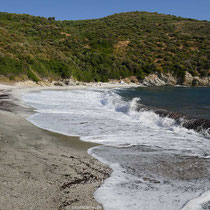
x,y
114,47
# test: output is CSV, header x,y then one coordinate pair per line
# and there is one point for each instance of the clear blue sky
x,y
88,9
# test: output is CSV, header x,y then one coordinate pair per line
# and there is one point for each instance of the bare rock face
x,y
168,78
58,83
153,80
131,79
159,79
65,82
72,81
195,80
188,79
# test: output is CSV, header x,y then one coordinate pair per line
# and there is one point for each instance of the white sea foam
x,y
101,116
123,191
200,203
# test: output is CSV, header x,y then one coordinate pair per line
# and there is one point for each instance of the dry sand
x,y
40,169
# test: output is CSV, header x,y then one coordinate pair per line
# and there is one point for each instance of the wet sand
x,y
151,176
41,169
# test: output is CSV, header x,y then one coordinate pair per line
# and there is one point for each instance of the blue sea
x,y
157,163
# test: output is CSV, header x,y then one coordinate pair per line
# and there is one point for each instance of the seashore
x,y
40,169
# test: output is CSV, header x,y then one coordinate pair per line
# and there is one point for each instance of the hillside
x,y
114,47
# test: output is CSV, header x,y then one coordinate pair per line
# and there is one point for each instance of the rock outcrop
x,y
155,79
195,80
160,79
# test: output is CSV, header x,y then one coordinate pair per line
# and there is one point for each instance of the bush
x,y
114,47
32,76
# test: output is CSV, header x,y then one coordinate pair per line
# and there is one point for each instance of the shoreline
x,y
41,169
186,176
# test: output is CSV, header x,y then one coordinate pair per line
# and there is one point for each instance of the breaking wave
x,y
102,116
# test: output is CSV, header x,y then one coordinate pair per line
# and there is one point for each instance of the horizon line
x,y
105,16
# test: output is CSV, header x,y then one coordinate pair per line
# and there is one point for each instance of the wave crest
x,y
151,116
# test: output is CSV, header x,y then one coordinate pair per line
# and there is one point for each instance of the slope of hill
x,y
113,47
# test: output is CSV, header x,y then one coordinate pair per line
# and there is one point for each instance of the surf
x,y
126,128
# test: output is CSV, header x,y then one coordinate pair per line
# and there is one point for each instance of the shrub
x,y
31,75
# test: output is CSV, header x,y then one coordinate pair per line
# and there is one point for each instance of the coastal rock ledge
x,y
152,80
168,79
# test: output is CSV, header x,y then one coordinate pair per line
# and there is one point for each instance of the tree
x,y
51,18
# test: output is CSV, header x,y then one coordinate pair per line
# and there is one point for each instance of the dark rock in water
x,y
4,96
198,125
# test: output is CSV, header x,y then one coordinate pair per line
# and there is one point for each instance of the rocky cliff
x,y
160,79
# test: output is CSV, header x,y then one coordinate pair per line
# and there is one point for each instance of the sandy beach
x,y
40,169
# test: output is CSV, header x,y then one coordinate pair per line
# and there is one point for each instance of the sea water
x,y
157,164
